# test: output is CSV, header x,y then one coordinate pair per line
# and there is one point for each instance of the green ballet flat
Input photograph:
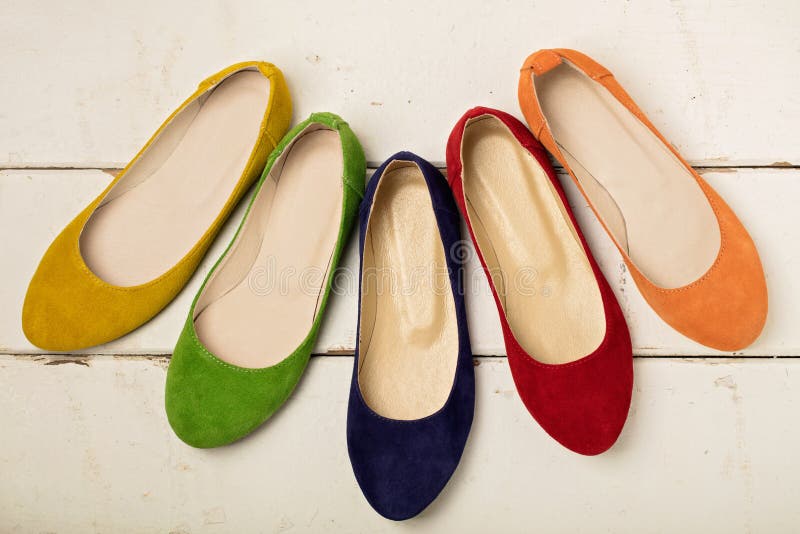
x,y
252,325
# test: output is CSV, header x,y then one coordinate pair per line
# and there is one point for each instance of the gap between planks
x,y
85,359
372,165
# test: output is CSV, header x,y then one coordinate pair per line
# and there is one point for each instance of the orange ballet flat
x,y
689,254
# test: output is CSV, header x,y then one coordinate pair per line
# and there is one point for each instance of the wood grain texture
x,y
703,451
42,202
85,83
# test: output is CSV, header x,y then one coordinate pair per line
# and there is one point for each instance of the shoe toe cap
x,y
65,310
399,484
726,308
402,466
67,307
582,405
210,403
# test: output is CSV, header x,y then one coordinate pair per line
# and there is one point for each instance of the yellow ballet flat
x,y
130,252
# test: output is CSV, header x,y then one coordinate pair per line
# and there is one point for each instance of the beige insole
x,y
408,339
172,194
542,275
651,203
261,302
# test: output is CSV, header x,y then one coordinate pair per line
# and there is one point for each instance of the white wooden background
x,y
711,444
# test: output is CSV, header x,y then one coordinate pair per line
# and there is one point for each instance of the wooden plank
x,y
42,202
707,448
84,84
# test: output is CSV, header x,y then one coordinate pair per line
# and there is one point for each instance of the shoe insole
x,y
543,278
261,302
650,202
408,339
168,199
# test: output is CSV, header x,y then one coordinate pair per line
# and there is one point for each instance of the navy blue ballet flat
x,y
412,395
